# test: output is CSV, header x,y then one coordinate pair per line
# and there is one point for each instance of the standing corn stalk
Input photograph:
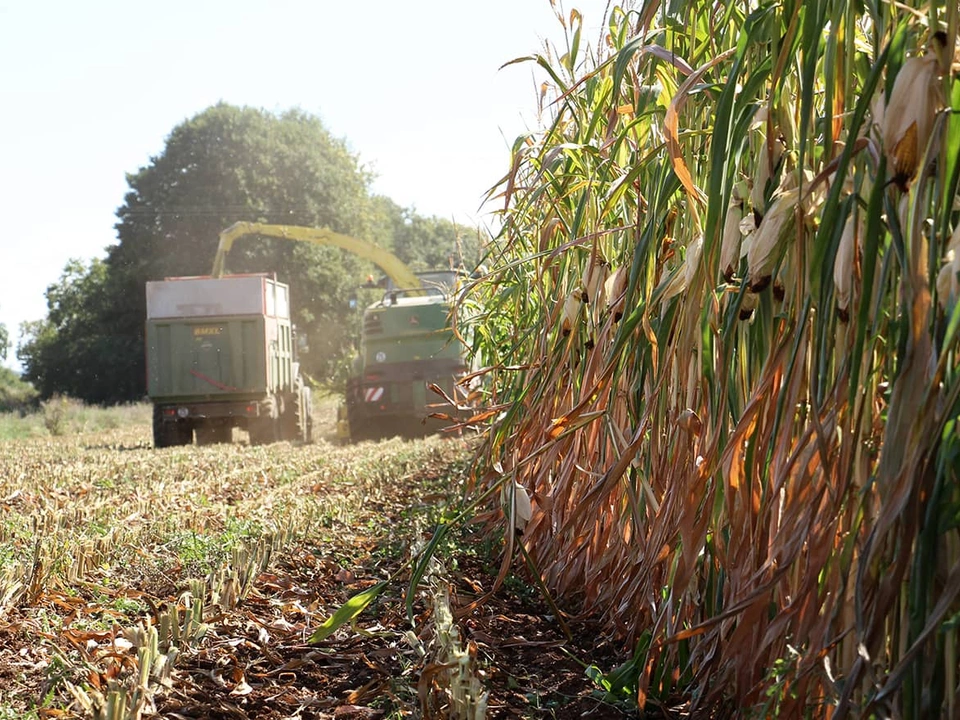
x,y
744,454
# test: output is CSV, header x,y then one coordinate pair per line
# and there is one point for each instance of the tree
x,y
4,341
78,349
425,243
229,164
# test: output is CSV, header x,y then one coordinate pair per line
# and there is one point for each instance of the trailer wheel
x,y
169,434
297,419
266,428
161,435
263,431
303,412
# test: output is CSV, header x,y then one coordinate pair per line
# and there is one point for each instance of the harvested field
x,y
185,583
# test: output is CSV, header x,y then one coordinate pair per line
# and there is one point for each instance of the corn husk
x,y
615,289
593,282
683,278
767,245
813,197
948,279
908,117
768,154
732,238
571,310
516,504
748,229
844,266
762,176
689,421
747,305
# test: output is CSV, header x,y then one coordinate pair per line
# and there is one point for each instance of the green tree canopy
x,y
79,349
224,165
425,243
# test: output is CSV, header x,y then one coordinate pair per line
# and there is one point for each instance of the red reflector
x,y
250,408
170,412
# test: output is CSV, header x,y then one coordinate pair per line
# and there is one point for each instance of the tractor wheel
x,y
372,429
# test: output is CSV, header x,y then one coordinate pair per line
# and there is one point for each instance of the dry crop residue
x,y
193,577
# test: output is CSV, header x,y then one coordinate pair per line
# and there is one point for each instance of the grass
x,y
63,416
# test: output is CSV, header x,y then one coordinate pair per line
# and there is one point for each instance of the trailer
x,y
221,353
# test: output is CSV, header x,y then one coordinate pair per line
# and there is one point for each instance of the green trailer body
x,y
220,354
217,357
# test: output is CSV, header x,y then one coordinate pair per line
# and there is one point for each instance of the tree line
x,y
224,165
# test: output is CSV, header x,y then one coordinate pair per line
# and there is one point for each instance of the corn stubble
x,y
121,565
744,457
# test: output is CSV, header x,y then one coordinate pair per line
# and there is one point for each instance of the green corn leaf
x,y
347,612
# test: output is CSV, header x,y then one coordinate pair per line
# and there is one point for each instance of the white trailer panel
x,y
193,297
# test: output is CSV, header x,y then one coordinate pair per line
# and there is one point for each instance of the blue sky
x,y
91,90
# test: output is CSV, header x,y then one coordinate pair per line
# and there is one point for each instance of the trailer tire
x,y
169,434
265,428
161,435
297,419
302,412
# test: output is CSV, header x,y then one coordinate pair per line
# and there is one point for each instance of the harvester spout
x,y
396,270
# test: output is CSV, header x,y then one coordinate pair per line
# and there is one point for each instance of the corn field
x,y
720,326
